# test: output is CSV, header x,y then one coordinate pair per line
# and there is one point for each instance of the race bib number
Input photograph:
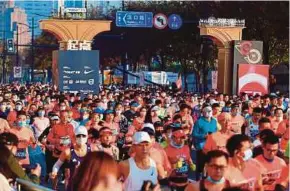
x,y
270,177
248,184
21,154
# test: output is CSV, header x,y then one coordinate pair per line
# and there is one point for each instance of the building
x,y
37,9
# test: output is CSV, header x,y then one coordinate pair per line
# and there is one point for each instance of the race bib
x,y
248,184
270,177
21,154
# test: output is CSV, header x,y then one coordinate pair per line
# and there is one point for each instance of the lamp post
x,y
31,47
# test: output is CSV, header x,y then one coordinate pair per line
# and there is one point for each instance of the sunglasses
x,y
79,136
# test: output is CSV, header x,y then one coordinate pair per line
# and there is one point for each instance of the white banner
x,y
17,71
214,76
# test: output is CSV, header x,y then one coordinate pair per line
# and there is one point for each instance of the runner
x,y
141,167
243,170
179,156
106,143
272,165
73,156
216,163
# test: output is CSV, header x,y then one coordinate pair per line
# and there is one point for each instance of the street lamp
x,y
31,47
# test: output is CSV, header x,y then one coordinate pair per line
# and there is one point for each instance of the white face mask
x,y
85,117
81,140
118,112
18,107
62,108
280,118
207,114
248,154
167,105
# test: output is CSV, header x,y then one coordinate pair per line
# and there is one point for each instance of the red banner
x,y
253,78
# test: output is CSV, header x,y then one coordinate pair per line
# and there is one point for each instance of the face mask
x,y
85,117
62,108
81,140
27,121
222,180
234,113
41,113
21,124
280,118
118,112
176,145
18,107
166,105
208,114
272,113
248,154
3,107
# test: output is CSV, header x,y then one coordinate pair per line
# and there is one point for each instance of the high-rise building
x,y
37,9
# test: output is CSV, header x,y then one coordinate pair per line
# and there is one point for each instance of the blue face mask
x,y
21,123
41,113
222,180
27,121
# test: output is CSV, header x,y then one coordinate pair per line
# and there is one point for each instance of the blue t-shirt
x,y
201,128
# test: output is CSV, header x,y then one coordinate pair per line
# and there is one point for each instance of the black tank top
x,y
202,186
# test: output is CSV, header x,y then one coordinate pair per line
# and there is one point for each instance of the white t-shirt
x,y
4,184
40,125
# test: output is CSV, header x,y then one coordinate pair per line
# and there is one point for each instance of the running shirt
x,y
252,130
283,131
179,160
25,136
40,125
271,171
246,179
137,176
76,160
217,141
237,123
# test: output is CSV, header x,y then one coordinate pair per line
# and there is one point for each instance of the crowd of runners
x,y
143,138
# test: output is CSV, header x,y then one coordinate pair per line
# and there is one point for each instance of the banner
x,y
245,52
214,77
253,79
78,71
17,71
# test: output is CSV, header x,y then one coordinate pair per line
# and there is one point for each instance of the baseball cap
x,y
134,104
81,130
140,137
148,125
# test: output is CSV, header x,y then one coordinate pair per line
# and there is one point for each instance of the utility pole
x,y
17,42
32,51
4,58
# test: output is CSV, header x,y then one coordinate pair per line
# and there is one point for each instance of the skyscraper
x,y
37,9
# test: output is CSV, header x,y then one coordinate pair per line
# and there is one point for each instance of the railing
x,y
29,185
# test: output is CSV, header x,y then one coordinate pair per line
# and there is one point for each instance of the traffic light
x,y
10,46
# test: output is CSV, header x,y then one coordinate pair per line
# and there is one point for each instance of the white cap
x,y
140,137
81,130
54,117
149,125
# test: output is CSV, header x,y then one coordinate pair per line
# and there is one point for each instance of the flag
x,y
179,82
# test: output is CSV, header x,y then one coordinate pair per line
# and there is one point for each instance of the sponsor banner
x,y
245,52
77,71
253,78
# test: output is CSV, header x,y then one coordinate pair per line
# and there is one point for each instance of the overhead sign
x,y
17,71
160,21
134,19
174,22
75,10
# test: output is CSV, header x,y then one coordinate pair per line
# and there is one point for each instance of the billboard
x,y
253,79
76,71
245,52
